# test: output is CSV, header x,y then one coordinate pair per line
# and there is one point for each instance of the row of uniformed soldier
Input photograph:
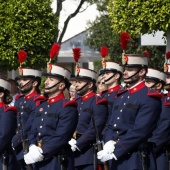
x,y
134,140
127,120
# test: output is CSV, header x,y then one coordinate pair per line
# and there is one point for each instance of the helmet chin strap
x,y
109,78
82,87
53,85
154,85
133,75
26,84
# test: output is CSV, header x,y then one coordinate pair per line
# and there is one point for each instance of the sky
x,y
79,22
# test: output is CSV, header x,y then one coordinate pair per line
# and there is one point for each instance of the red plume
x,y
76,53
54,50
124,38
22,55
146,53
168,55
104,51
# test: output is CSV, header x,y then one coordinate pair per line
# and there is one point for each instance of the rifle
x,y
98,146
24,141
62,159
4,161
143,156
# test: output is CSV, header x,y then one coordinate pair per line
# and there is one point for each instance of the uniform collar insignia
x,y
136,88
56,98
29,96
113,89
88,95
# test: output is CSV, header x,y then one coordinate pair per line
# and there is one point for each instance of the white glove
x,y
109,146
28,159
36,153
105,156
72,143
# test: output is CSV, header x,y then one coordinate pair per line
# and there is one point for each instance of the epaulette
x,y
70,103
39,99
18,96
101,101
153,93
11,108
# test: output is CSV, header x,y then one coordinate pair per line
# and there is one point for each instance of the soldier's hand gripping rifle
x,y
24,141
98,146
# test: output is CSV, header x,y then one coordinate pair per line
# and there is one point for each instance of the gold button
x,y
124,103
40,126
128,97
121,110
52,100
135,89
42,119
22,107
45,112
115,125
48,106
21,113
18,124
118,118
108,94
39,134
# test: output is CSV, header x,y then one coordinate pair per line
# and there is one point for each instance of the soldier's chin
x,y
47,91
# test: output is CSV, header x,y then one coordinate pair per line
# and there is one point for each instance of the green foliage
x,y
29,25
104,31
138,16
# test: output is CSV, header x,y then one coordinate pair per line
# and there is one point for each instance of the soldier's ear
x,y
62,86
142,72
35,83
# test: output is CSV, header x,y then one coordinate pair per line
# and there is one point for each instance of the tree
x,y
140,16
32,26
29,25
101,32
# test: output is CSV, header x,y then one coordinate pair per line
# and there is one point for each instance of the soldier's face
x,y
151,84
25,85
128,75
167,85
51,85
106,77
81,87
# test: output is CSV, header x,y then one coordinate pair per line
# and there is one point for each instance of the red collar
x,y
29,96
137,88
56,98
168,94
113,89
87,96
2,104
